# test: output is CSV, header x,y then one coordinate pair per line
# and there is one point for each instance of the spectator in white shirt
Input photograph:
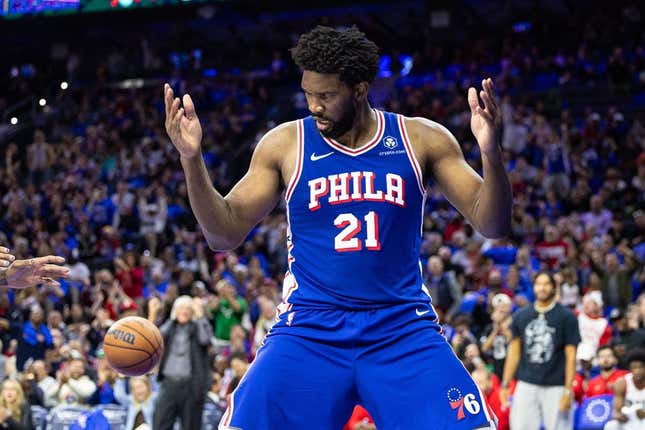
x,y
75,387
46,383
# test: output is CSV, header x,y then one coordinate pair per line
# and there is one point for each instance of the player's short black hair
x,y
345,51
637,354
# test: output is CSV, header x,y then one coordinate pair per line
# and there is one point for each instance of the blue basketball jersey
x,y
355,221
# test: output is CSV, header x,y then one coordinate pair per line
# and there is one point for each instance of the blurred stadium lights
x,y
42,102
407,62
131,83
385,65
64,85
522,27
137,83
14,120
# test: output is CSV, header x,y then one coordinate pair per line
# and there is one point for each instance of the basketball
x,y
133,346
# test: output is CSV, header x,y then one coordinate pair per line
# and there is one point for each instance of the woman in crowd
x,y
140,401
15,412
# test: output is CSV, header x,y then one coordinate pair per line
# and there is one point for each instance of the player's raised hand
x,y
485,123
6,258
182,124
35,271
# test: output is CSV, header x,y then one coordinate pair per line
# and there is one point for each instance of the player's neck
x,y
364,127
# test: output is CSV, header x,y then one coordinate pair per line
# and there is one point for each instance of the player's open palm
x,y
182,124
35,271
485,123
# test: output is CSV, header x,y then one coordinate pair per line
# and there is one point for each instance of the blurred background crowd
x,y
91,175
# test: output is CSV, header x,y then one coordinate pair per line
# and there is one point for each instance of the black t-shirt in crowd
x,y
543,338
497,353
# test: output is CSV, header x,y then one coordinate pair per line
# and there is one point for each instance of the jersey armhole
x,y
300,150
411,157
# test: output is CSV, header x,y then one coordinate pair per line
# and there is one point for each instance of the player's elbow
x,y
220,242
223,244
497,230
497,233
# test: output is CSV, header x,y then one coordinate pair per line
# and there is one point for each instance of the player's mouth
x,y
322,124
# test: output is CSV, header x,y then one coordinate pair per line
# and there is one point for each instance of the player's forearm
x,y
570,366
512,361
213,213
494,201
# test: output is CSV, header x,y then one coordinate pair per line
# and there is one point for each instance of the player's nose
x,y
316,108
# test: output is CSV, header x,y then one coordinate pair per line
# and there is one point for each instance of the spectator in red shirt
x,y
484,380
552,250
130,275
609,373
584,356
360,420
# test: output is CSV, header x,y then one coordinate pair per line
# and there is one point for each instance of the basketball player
x,y
629,395
355,324
29,273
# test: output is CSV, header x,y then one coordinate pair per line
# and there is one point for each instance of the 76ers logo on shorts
x,y
459,402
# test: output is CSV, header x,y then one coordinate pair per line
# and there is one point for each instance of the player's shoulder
x,y
431,135
278,140
420,126
620,384
285,132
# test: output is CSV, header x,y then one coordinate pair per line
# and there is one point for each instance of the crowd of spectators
x,y
100,184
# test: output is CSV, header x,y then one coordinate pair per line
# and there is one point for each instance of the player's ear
x,y
360,91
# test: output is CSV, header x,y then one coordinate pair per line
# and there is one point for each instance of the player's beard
x,y
607,368
343,125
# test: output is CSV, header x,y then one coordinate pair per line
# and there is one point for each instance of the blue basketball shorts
x,y
315,365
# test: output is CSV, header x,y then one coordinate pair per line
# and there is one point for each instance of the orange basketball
x,y
133,346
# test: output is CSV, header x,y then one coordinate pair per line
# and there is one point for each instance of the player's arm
x,y
569,375
569,366
620,388
512,361
510,367
486,203
225,221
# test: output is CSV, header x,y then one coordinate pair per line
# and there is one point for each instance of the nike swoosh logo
x,y
315,157
422,313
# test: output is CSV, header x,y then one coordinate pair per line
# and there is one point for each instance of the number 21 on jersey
x,y
346,240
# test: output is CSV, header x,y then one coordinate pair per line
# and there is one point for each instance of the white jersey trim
x,y
413,159
297,171
380,130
